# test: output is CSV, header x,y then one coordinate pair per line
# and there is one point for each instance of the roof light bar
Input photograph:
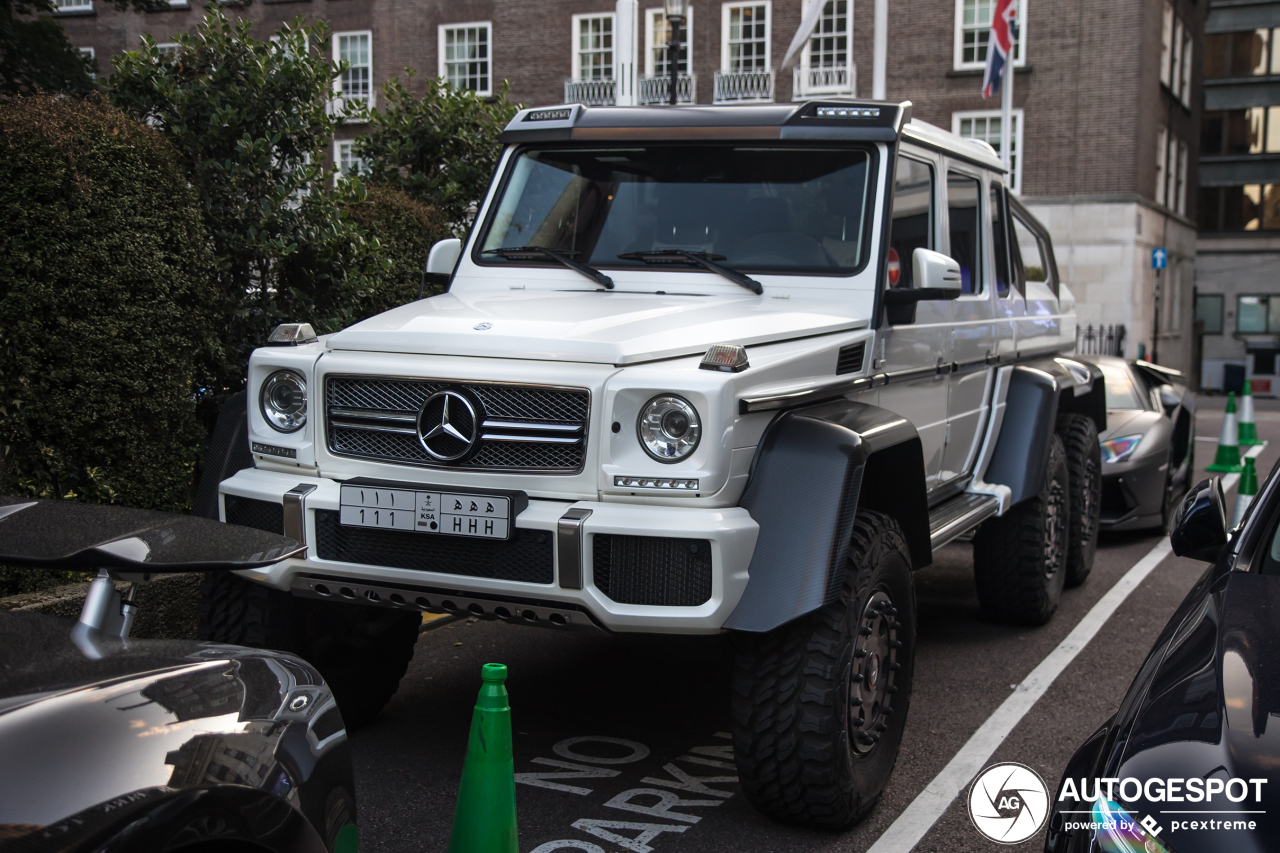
x,y
291,334
549,115
726,358
848,112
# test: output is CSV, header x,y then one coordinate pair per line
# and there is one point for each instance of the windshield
x,y
1120,391
748,207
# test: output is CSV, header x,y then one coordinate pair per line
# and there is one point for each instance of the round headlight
x,y
669,428
284,401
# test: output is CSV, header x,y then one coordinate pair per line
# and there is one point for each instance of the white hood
x,y
592,326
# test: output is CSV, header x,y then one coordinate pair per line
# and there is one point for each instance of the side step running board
x,y
958,516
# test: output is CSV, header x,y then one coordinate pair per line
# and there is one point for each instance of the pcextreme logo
x,y
1008,802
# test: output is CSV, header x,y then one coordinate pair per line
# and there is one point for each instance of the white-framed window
x,y
465,56
1166,43
346,163
657,35
828,46
1185,93
745,36
1162,160
1180,197
355,85
74,5
593,46
1175,71
90,54
973,31
986,125
168,48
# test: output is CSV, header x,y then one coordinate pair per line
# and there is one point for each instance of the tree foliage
x,y
250,121
441,149
106,310
35,54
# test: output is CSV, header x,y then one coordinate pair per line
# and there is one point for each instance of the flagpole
x,y
1006,109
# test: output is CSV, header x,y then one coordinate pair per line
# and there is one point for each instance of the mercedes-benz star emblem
x,y
447,426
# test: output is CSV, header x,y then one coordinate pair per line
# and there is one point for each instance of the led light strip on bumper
x,y
682,484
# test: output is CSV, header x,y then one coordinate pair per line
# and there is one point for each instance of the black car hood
x,y
1209,708
88,741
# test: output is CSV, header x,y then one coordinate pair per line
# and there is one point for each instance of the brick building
x,y
1106,96
1238,289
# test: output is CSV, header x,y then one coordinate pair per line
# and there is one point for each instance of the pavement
x,y
627,712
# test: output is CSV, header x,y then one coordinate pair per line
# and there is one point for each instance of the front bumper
x,y
1133,493
730,531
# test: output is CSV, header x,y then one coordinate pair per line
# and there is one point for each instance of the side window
x,y
912,226
963,193
999,240
1035,259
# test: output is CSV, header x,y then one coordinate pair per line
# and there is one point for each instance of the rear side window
x,y
963,193
912,226
1035,258
1000,240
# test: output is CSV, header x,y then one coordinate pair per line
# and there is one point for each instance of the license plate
x,y
447,513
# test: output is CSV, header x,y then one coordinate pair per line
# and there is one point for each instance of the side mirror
x,y
1169,398
936,272
444,256
935,275
1200,524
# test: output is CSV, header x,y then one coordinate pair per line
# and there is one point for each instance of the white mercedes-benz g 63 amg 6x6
x,y
696,370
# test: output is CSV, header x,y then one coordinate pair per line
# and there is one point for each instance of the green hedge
x,y
406,230
106,311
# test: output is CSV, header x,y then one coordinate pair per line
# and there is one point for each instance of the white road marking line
x,y
929,805
925,810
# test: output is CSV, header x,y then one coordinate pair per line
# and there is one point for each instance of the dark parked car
x,y
1148,447
109,743
1197,733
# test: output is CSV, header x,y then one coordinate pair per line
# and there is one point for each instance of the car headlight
x,y
284,401
1120,449
669,428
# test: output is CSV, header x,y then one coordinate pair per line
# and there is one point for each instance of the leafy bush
x,y
441,149
250,122
106,310
406,230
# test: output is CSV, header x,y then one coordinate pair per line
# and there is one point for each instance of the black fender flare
x,y
1038,391
814,468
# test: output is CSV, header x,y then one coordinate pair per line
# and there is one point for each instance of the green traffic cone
x,y
1247,489
1248,429
485,818
1227,460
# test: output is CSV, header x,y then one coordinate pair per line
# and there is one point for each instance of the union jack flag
x,y
1004,29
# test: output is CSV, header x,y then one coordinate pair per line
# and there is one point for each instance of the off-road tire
x,y
1079,436
362,652
801,755
1020,558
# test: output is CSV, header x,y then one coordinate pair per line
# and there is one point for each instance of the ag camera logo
x,y
1008,803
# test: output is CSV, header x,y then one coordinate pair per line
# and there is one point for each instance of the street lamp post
x,y
675,12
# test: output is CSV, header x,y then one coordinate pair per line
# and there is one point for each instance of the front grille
x,y
652,570
247,512
525,557
525,428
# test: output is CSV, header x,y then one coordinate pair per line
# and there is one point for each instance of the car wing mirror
x,y
935,275
1169,398
441,261
1200,523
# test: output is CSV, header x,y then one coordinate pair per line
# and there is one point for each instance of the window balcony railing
x,y
808,82
657,89
743,87
592,93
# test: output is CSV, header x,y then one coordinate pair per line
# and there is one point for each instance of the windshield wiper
x,y
555,255
702,259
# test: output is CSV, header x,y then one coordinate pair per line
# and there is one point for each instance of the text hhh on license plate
x,y
450,513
